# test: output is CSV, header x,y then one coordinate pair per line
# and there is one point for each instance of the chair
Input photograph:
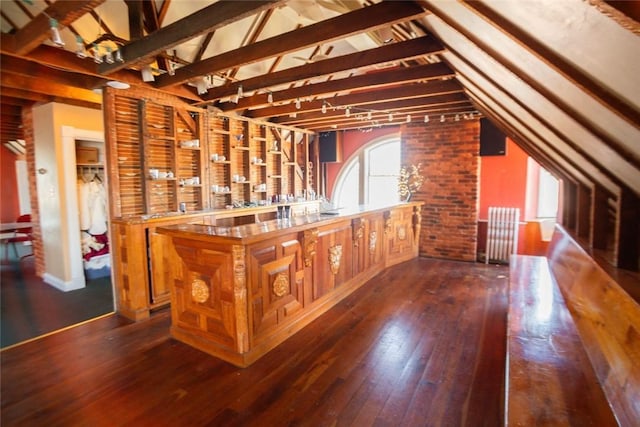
x,y
21,235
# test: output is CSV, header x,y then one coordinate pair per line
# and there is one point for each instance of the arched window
x,y
370,176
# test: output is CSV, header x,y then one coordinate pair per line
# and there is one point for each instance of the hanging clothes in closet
x,y
92,204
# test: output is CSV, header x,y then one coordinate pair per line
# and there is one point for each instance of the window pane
x,y
348,191
383,190
385,159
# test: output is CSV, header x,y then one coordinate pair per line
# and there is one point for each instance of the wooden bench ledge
x,y
549,380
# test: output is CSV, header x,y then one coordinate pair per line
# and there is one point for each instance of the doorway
x,y
32,306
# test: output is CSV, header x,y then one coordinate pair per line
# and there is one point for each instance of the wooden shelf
x,y
222,131
221,162
241,147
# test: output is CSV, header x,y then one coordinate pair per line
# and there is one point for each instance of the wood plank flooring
x,y
423,343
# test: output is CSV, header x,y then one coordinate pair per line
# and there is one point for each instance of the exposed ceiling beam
x,y
358,21
37,30
217,15
371,80
51,88
414,90
381,55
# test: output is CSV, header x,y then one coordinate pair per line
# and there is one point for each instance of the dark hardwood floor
x,y
423,343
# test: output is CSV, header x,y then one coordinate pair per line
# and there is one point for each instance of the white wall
x,y
54,126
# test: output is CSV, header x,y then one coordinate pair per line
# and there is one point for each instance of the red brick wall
x,y
448,153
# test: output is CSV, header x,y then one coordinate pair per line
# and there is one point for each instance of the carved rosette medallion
x,y
335,254
309,239
281,285
199,291
358,231
402,232
373,239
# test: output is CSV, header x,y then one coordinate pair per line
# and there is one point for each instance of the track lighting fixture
x,y
270,98
147,75
408,118
442,118
324,107
108,58
298,103
426,119
96,54
347,112
118,56
55,33
390,117
457,118
171,69
369,114
80,50
241,92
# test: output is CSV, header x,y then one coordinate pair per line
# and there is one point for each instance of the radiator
x,y
502,234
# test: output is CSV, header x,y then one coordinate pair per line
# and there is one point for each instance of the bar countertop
x,y
248,233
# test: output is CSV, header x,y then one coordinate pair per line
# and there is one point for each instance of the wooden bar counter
x,y
237,292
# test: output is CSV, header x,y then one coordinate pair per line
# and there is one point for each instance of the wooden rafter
x,y
342,26
211,17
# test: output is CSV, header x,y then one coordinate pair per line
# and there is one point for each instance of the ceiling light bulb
x,y
108,58
240,92
347,112
55,33
457,118
80,51
408,118
118,56
324,108
442,118
390,117
270,98
369,115
298,103
426,119
96,54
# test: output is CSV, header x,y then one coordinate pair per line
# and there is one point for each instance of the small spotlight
x,y
96,54
147,74
270,98
80,51
324,107
118,56
442,118
108,58
347,112
240,92
55,33
298,103
390,117
408,118
426,119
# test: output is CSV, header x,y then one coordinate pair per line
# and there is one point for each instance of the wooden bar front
x,y
237,292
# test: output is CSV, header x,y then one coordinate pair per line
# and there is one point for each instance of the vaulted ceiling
x,y
559,77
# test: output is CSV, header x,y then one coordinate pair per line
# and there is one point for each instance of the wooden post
x,y
627,250
583,213
599,218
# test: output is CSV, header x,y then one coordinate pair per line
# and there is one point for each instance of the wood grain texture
x,y
550,380
422,343
608,320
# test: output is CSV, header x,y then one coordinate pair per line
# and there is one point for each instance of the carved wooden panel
x,y
399,228
204,299
276,273
329,269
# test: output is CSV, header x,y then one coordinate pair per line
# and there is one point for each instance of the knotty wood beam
x,y
208,19
136,24
331,87
388,53
37,30
51,88
361,20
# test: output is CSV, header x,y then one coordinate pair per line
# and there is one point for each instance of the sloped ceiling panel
x,y
606,139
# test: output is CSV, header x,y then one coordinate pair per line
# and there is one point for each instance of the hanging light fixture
x,y
324,107
442,118
426,118
298,103
118,56
408,118
108,58
270,98
147,74
55,33
80,50
390,117
240,92
347,112
96,54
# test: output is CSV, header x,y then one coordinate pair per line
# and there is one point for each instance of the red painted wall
x,y
10,208
503,180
